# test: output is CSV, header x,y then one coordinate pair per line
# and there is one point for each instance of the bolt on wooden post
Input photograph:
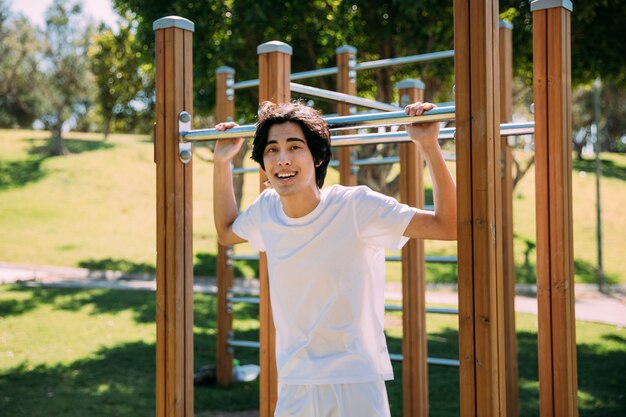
x,y
174,296
414,348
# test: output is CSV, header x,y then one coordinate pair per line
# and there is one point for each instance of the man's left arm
x,y
439,224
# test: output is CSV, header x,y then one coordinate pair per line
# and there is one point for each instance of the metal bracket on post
x,y
184,126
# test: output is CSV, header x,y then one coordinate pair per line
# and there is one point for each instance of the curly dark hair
x,y
313,126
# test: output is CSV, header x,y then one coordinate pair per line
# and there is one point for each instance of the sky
x,y
99,10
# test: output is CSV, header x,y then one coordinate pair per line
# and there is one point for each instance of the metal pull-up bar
x,y
367,120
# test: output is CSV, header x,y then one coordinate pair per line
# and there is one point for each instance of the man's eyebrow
x,y
293,139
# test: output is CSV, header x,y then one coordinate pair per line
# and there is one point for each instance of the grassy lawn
x,y
96,208
91,352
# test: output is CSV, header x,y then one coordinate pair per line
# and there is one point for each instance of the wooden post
x,y
481,317
553,187
274,80
224,111
174,297
508,261
346,83
414,341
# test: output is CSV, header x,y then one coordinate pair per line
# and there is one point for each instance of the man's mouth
x,y
285,175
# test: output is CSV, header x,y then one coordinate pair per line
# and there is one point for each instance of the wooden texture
x,y
508,262
224,111
414,346
345,85
481,336
174,375
553,159
274,79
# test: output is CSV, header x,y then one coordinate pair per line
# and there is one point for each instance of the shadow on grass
x,y
609,168
205,265
116,264
19,173
73,146
586,273
141,303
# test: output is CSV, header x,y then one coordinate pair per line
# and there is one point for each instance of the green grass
x,y
96,209
78,352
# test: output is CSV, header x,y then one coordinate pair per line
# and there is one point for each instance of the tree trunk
x,y
57,147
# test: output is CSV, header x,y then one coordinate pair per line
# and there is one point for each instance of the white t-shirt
x,y
326,278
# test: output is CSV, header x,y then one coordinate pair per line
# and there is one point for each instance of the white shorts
x,y
367,399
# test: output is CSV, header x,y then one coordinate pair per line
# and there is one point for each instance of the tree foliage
x,y
115,59
19,47
66,85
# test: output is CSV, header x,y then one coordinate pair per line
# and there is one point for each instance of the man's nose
x,y
283,158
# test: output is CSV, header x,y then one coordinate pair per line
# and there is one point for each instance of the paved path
x,y
590,304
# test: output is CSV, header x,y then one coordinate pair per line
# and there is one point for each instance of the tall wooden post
x,y
508,261
553,187
224,111
481,317
174,297
414,341
346,83
274,80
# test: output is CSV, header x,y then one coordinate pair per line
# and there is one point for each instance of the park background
x,y
77,179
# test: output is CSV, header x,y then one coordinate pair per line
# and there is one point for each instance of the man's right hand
x,y
226,149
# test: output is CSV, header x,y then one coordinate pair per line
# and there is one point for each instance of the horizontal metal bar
x,y
381,63
342,98
245,170
431,361
244,343
336,123
433,310
200,135
376,161
244,257
247,131
438,114
427,259
249,300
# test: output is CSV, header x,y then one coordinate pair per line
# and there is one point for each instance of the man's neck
x,y
301,204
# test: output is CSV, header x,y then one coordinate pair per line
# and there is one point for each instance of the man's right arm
x,y
225,209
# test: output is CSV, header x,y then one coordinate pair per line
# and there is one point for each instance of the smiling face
x,y
288,162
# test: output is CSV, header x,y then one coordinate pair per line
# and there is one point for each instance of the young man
x,y
326,257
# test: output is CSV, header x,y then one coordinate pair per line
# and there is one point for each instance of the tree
x,y
116,62
19,47
595,34
66,77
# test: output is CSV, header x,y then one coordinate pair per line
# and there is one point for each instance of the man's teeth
x,y
285,175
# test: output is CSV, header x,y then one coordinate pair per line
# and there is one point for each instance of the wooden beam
x,y
174,315
224,111
481,335
508,261
558,383
346,83
414,339
274,79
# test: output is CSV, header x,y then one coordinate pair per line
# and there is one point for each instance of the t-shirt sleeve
x,y
381,220
246,225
